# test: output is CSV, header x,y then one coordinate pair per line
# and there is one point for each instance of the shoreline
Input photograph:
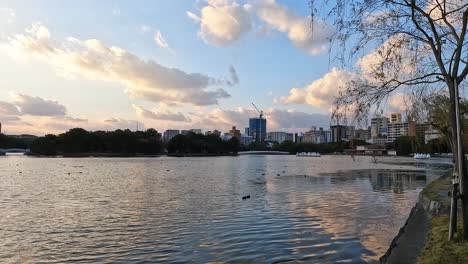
x,y
409,243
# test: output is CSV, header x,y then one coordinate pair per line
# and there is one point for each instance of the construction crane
x,y
260,112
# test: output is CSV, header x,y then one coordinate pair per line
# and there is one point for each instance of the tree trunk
x,y
463,177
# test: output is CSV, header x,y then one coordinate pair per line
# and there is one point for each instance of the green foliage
x,y
201,144
438,249
78,140
405,145
257,146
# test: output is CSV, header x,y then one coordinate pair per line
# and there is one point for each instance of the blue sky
x,y
269,59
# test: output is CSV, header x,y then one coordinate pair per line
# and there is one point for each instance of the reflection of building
x,y
257,128
338,133
235,133
169,134
279,137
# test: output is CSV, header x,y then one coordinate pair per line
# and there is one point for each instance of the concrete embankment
x,y
411,239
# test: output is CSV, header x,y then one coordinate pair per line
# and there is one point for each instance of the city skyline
x,y
165,64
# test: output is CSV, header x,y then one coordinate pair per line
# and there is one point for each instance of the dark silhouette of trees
x,y
193,143
80,141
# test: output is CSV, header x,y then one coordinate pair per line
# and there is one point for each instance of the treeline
x,y
7,142
193,143
406,145
80,141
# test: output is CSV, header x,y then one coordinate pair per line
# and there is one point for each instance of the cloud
x,y
37,106
160,115
161,41
320,93
93,59
8,109
314,40
7,15
234,78
222,22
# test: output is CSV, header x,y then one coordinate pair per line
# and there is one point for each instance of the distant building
x,y
193,130
431,134
196,130
338,133
363,134
350,132
379,129
235,133
214,132
279,137
257,128
246,140
395,118
396,130
298,137
169,134
0,127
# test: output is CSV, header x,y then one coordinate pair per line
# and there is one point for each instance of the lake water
x,y
190,210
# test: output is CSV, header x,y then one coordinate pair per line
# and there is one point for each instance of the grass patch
x,y
438,189
440,251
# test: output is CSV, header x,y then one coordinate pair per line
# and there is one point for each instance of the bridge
x,y
13,150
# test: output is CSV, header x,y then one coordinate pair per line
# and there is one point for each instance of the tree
x,y
421,49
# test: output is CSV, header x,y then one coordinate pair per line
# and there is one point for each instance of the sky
x,y
163,64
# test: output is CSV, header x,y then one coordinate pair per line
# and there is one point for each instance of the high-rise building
x,y
338,133
235,133
379,128
257,128
169,134
0,127
395,118
396,130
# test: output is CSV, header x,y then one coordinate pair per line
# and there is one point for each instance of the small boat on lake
x,y
422,156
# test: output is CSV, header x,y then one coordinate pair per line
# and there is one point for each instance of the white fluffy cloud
x,y
162,114
36,106
320,93
222,22
95,60
298,29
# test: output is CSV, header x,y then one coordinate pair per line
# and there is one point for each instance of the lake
x,y
190,210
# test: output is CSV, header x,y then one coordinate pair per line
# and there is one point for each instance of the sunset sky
x,y
164,64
